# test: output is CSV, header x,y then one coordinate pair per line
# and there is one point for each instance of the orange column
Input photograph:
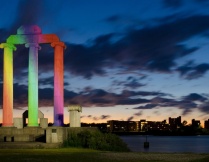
x,y
58,83
8,84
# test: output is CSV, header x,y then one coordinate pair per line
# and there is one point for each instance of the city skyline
x,y
125,60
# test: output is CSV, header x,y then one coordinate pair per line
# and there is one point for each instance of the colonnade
x,y
32,36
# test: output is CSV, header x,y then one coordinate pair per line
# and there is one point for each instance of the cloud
x,y
191,71
88,97
102,117
102,98
135,115
133,84
147,106
105,116
84,61
173,3
46,81
202,2
99,97
204,107
138,113
130,82
128,93
130,78
130,118
195,97
113,19
131,101
186,103
154,49
123,22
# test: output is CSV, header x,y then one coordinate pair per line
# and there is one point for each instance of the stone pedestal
x,y
43,122
75,111
18,123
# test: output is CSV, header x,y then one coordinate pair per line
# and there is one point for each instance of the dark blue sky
x,y
125,59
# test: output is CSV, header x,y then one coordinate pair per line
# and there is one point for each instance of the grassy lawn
x,y
86,155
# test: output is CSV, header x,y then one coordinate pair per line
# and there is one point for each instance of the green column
x,y
33,84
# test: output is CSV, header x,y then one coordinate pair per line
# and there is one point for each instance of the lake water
x,y
194,144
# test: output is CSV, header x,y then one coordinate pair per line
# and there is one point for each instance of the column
x,y
8,84
58,83
33,84
75,111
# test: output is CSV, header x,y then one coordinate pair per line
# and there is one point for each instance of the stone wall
x,y
27,134
32,134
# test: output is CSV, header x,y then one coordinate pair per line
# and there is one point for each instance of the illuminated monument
x,y
32,36
16,131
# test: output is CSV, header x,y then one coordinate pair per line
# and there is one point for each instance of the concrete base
x,y
27,134
53,135
18,122
43,122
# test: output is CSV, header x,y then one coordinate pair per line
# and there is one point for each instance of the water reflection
x,y
195,144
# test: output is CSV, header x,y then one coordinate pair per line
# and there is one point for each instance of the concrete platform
x,y
27,134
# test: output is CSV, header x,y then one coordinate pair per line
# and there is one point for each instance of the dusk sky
x,y
125,59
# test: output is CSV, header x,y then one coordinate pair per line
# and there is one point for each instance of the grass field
x,y
86,155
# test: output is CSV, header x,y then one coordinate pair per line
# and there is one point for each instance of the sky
x,y
125,59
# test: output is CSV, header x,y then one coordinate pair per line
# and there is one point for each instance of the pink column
x,y
8,84
58,83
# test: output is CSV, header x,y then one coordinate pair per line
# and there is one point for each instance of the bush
x,y
95,140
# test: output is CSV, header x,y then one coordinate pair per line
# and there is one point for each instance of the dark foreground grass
x,y
86,155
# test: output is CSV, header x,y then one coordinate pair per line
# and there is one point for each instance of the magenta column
x,y
8,84
58,82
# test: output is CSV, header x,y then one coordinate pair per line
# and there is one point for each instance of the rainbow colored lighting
x,y
33,84
8,85
32,36
58,83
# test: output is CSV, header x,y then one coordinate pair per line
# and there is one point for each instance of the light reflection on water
x,y
195,144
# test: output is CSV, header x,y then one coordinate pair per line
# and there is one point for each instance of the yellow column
x,y
8,84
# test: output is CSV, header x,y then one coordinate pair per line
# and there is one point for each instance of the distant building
x,y
136,126
174,122
143,125
206,124
100,126
195,123
153,125
122,126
